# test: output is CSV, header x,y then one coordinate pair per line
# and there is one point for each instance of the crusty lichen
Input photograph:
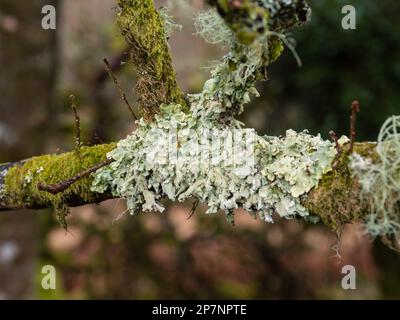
x,y
144,30
20,185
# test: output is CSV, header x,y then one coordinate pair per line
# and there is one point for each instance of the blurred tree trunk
x,y
28,56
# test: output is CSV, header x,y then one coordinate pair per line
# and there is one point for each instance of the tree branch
x,y
20,181
143,29
56,188
336,199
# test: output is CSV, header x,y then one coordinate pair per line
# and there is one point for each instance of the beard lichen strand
x,y
379,178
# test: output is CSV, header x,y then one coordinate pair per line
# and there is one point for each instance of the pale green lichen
x,y
233,79
172,157
175,156
169,24
212,28
254,34
380,181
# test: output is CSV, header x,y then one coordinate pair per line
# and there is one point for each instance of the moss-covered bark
x,y
143,28
337,198
19,181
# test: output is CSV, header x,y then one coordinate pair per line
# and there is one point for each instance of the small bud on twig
x,y
355,108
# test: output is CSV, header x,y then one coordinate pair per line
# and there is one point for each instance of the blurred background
x,y
165,255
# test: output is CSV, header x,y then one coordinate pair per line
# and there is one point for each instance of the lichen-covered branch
x,y
335,200
144,30
196,148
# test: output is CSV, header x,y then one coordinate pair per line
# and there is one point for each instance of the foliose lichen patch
x,y
268,174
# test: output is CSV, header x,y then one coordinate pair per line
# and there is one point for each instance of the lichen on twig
x,y
254,32
380,181
294,175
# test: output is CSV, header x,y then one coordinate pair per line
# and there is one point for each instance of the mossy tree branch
x,y
20,181
143,29
336,200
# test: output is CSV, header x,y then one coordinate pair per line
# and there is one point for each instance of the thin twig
x,y
355,108
63,185
335,140
123,95
78,142
193,210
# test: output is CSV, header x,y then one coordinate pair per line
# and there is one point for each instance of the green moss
x,y
336,200
143,28
22,180
275,47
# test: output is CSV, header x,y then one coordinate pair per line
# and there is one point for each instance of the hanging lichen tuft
x,y
380,182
